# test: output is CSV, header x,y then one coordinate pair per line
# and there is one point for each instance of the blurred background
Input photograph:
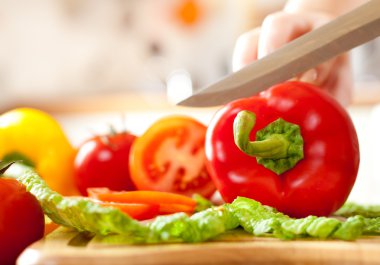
x,y
60,52
86,61
63,50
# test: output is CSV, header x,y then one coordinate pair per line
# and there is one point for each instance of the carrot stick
x,y
146,197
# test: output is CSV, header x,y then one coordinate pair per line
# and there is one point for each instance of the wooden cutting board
x,y
67,247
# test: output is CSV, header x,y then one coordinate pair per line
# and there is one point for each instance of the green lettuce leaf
x,y
199,227
372,226
202,203
255,218
352,209
85,215
261,220
77,212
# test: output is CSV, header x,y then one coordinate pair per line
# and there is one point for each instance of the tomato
x,y
37,139
319,183
103,161
170,157
21,220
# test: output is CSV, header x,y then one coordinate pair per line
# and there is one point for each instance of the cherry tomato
x,y
103,161
21,220
170,157
319,183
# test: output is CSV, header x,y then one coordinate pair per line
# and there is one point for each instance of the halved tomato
x,y
170,156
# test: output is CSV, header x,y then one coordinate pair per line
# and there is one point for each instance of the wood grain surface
x,y
67,247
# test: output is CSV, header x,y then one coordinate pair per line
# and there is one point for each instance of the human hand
x,y
280,28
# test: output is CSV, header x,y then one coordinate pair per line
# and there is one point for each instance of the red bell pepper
x,y
295,149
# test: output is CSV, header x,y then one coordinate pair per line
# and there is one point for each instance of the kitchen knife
x,y
340,35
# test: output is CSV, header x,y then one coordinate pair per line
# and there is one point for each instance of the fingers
x,y
277,30
245,50
280,28
340,82
319,75
335,77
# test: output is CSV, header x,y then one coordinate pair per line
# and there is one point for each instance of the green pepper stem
x,y
4,166
18,157
275,146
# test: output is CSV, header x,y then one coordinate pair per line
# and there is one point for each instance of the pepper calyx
x,y
278,146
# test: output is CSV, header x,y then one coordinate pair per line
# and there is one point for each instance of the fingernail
x,y
309,76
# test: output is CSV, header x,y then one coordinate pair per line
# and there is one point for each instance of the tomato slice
x,y
170,156
136,211
167,202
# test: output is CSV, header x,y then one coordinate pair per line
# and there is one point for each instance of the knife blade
x,y
338,36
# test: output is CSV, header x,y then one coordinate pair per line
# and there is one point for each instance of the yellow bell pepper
x,y
36,138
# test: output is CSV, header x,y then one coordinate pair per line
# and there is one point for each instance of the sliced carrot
x,y
135,210
50,227
145,197
166,208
